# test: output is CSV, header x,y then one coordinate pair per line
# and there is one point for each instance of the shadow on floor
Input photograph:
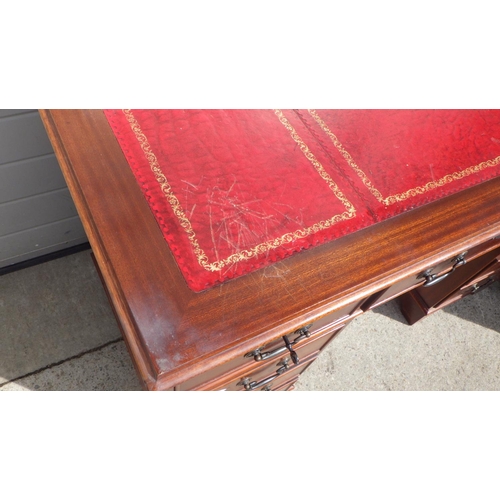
x,y
482,309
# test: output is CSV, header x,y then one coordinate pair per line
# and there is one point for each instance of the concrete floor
x,y
57,333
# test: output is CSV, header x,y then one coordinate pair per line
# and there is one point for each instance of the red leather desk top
x,y
235,190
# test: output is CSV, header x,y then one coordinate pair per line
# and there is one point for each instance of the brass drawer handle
x,y
302,333
432,279
252,386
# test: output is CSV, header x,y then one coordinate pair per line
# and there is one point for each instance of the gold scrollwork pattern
x,y
262,247
390,200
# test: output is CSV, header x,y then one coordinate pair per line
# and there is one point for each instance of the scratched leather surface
x,y
235,190
404,158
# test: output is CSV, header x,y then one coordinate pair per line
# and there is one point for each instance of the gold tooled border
x,y
455,176
262,247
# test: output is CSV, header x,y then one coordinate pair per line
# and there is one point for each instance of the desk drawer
x,y
432,296
408,284
273,378
324,329
486,278
416,304
262,369
288,385
435,274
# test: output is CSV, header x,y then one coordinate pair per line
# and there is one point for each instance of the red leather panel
x,y
235,190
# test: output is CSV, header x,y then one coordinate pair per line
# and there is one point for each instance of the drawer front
x,y
489,276
491,270
296,340
431,274
289,385
273,380
433,296
268,367
414,307
406,285
327,325
471,288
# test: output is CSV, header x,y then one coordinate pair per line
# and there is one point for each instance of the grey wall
x,y
37,214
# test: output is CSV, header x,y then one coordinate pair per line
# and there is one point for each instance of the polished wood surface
x,y
173,333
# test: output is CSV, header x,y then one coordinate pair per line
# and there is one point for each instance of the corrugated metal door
x,y
37,214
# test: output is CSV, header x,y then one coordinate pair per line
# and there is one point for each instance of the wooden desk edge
x,y
364,285
128,327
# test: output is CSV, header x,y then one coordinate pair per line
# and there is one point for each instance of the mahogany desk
x,y
232,336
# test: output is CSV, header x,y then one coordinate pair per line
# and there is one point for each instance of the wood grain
x,y
174,333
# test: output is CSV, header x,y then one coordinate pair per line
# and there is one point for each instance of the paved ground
x,y
57,332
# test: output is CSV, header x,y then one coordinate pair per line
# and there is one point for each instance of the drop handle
x,y
302,333
432,279
293,354
475,288
250,385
